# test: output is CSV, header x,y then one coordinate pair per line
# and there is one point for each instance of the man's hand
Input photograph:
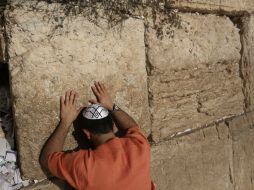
x,y
123,120
102,96
68,109
68,114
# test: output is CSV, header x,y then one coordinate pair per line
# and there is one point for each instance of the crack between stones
x,y
217,130
251,178
148,72
6,40
231,164
179,134
238,22
230,174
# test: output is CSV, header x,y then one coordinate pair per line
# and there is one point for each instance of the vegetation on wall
x,y
162,16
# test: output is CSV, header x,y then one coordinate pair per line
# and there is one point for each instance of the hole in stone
x,y
3,3
5,106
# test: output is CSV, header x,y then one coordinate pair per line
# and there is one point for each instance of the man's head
x,y
100,126
96,121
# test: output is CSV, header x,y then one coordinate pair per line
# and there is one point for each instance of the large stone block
x,y
243,134
227,6
247,62
198,161
194,75
51,53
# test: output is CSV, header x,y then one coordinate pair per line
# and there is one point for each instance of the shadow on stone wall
x,y
4,75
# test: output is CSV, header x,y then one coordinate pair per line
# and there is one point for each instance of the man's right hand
x,y
123,120
102,96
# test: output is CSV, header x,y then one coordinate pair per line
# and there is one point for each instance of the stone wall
x,y
217,157
194,77
191,90
45,61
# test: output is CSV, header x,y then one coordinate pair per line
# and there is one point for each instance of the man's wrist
x,y
64,124
115,108
110,107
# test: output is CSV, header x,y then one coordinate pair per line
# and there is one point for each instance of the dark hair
x,y
99,126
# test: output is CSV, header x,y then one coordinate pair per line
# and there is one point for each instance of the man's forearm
x,y
55,143
123,120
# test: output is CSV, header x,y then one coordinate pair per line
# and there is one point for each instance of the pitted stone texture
x,y
247,62
194,76
228,6
198,161
50,54
243,134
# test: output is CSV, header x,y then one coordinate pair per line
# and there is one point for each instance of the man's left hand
x,y
68,110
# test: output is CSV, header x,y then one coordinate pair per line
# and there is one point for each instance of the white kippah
x,y
95,111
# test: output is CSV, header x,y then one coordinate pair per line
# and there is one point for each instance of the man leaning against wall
x,y
113,163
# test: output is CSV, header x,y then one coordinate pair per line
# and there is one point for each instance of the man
x,y
115,163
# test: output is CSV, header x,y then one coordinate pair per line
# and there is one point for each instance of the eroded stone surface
x,y
194,77
231,6
50,54
247,62
198,161
243,134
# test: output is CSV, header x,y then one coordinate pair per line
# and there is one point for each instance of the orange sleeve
x,y
69,167
136,134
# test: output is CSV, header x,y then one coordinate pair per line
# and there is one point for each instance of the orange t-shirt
x,y
120,163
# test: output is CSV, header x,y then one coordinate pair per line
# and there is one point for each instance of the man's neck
x,y
101,139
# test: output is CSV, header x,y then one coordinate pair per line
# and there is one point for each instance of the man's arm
x,y
123,120
68,113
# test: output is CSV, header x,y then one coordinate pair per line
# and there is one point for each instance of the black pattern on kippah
x,y
96,114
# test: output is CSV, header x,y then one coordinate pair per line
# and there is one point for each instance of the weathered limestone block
x,y
194,75
51,53
228,6
247,62
198,161
243,134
